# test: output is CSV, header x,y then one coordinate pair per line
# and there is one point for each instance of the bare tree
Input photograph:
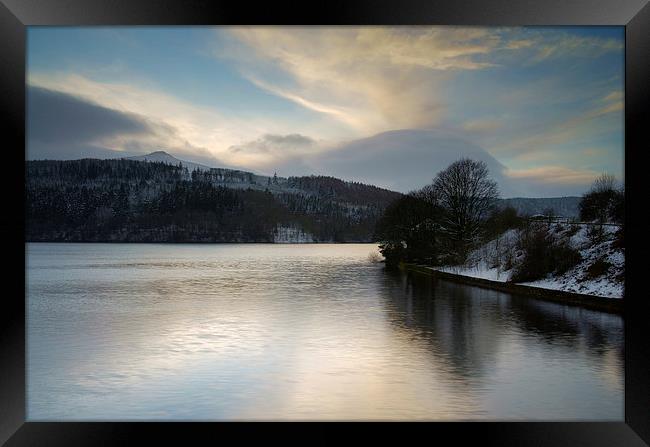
x,y
428,193
605,182
604,202
467,194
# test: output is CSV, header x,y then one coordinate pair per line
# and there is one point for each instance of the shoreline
x,y
195,242
593,302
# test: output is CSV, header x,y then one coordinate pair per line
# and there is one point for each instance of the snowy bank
x,y
600,271
599,303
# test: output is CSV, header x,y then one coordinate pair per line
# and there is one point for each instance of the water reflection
x,y
457,317
207,332
471,328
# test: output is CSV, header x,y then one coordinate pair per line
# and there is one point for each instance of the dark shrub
x,y
605,204
596,233
565,257
393,253
598,268
618,207
544,253
407,231
500,221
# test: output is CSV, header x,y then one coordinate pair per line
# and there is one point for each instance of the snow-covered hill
x,y
277,185
143,201
231,178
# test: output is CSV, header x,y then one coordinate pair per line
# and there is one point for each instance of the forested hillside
x,y
561,206
128,200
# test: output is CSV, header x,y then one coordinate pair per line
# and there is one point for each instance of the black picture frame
x,y
15,15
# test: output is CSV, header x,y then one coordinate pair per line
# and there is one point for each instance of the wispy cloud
x,y
613,102
270,151
483,125
380,78
542,138
554,175
372,79
561,45
346,115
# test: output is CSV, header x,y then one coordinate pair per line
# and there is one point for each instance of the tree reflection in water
x,y
466,326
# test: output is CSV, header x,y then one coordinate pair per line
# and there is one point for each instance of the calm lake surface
x,y
299,332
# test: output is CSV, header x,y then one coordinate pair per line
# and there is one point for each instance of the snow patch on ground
x,y
478,271
578,280
291,235
492,261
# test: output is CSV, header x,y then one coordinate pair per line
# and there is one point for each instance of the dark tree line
x,y
442,222
349,192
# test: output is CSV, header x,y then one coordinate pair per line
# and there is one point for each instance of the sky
x,y
391,106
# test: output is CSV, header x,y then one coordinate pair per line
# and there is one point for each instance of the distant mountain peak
x,y
161,153
164,157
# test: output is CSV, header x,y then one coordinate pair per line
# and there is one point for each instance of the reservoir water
x,y
299,332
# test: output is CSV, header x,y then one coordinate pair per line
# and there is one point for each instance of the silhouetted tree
x,y
407,231
467,195
604,202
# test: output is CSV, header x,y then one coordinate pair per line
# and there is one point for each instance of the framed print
x,y
359,212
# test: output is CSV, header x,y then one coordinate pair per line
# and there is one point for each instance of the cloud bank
x,y
65,126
